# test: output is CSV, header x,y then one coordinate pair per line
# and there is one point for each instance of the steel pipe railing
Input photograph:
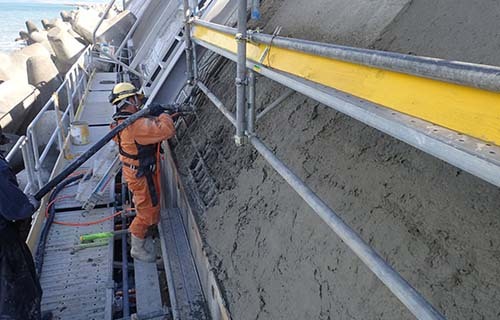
x,y
187,40
29,166
251,102
241,72
398,286
74,82
276,103
228,114
379,119
415,303
106,11
468,74
15,149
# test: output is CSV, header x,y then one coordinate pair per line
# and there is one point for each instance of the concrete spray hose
x,y
171,108
64,178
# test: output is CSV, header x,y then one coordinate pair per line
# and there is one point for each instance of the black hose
x,y
40,251
98,145
89,153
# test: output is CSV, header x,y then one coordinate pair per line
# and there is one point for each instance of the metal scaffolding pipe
x,y
376,118
15,149
467,74
126,302
417,305
214,26
188,42
124,66
251,103
106,11
276,103
229,115
127,37
241,70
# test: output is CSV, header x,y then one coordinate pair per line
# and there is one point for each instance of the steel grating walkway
x,y
184,285
77,283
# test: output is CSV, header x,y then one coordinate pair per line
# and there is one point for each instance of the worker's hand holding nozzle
x,y
171,109
156,109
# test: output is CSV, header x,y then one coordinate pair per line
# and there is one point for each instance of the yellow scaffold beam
x,y
471,111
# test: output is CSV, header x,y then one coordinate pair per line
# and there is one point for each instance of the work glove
x,y
156,109
34,202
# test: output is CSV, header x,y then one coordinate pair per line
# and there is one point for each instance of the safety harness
x,y
146,155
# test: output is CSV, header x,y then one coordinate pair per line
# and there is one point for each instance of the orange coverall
x,y
144,131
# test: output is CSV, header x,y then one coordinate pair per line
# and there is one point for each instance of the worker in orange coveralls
x,y
139,147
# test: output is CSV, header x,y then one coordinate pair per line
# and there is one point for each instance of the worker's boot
x,y
149,245
140,251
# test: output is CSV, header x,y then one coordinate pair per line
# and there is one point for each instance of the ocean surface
x,y
13,15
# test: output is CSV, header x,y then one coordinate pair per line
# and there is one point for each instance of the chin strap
x,y
125,102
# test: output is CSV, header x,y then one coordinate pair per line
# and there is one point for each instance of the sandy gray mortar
x,y
434,223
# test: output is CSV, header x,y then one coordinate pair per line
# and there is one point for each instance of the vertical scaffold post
x,y
241,80
251,103
188,42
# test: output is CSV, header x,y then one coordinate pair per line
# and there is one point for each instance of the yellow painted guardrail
x,y
471,111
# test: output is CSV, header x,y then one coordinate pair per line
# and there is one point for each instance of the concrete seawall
x,y
437,225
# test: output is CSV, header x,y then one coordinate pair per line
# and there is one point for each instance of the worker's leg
x,y
20,292
146,214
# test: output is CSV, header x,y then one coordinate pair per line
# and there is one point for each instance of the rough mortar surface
x,y
436,225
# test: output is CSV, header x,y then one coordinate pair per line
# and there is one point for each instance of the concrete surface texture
x,y
13,67
41,37
438,226
84,23
16,100
66,48
43,74
115,29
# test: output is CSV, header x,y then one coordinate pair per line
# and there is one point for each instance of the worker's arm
x,y
151,130
14,204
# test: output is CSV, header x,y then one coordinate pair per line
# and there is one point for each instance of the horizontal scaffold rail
x,y
472,154
459,96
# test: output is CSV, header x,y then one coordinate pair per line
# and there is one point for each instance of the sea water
x,y
13,15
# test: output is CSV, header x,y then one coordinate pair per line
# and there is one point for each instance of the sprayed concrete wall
x,y
438,226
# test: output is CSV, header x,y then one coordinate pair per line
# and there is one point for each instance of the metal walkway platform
x,y
186,294
103,81
77,282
